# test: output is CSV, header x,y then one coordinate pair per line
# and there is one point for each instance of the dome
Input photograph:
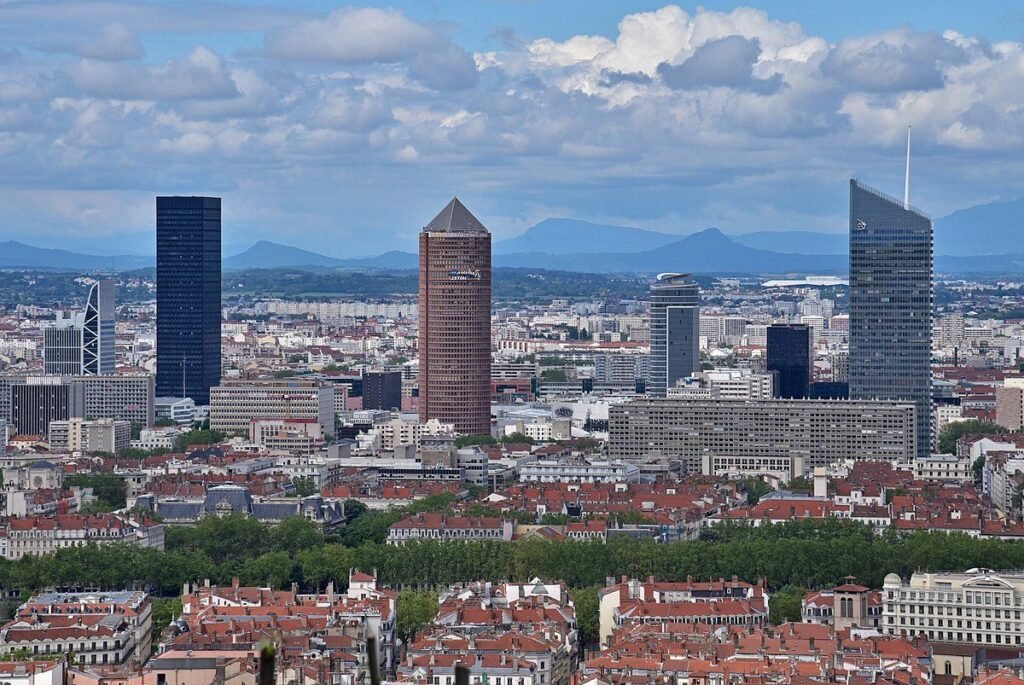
x,y
892,580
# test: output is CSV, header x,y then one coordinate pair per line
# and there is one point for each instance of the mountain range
x,y
979,238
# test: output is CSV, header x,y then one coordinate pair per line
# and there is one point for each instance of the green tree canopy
x,y
952,432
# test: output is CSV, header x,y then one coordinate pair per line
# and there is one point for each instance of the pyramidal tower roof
x,y
455,218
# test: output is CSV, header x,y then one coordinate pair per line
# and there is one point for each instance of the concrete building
x,y
979,607
891,301
945,467
578,470
234,404
455,321
819,431
620,370
38,402
675,331
1010,404
181,410
726,384
95,435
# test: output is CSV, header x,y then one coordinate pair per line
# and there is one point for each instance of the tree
x,y
952,432
784,605
305,486
165,422
201,436
353,509
587,614
109,489
978,469
415,609
470,440
296,533
517,438
755,489
164,611
274,569
554,375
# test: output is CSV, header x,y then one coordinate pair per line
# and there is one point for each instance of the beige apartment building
x,y
234,404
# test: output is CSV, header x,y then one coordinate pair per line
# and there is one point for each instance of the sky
x,y
343,128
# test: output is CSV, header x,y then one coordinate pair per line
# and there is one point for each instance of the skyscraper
x,y
382,390
83,344
789,355
675,331
455,321
187,296
891,303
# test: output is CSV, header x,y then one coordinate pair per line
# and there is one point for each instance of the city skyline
x,y
528,111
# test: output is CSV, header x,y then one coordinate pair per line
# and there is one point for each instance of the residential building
x,y
789,356
429,526
124,397
979,607
188,267
1010,404
944,467
726,384
455,321
891,302
819,431
96,435
675,331
234,404
41,535
847,606
578,470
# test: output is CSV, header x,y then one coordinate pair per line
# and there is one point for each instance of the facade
x,y
181,410
455,321
382,390
83,344
35,405
234,404
945,467
613,370
726,384
819,432
980,607
891,304
124,397
429,526
42,535
578,471
1010,404
675,331
96,435
188,272
789,356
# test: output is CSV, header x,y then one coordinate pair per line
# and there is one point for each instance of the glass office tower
x,y
789,355
187,297
891,268
675,331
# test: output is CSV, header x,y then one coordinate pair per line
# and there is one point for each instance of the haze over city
x,y
345,125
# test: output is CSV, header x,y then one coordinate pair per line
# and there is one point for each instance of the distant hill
x,y
797,242
990,229
395,259
573,236
268,255
708,251
19,255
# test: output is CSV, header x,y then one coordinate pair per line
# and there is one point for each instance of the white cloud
x,y
113,42
201,74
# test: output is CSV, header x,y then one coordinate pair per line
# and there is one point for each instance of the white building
x,y
578,470
181,410
98,435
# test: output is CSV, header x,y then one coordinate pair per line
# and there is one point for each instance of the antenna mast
x,y
906,180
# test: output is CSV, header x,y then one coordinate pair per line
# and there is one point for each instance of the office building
x,y
819,432
37,402
234,404
124,397
789,356
97,435
455,321
187,296
979,607
675,331
622,371
726,384
83,344
180,410
382,390
891,304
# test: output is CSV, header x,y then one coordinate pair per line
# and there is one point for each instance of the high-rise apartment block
x,y
675,331
83,344
455,321
1010,404
98,435
789,356
188,296
891,268
817,431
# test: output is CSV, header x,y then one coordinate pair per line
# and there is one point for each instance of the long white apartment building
x,y
978,607
578,470
234,404
726,384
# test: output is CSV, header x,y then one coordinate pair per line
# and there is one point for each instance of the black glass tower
x,y
789,355
187,297
382,390
891,272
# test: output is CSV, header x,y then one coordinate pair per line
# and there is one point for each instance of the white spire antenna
x,y
906,180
